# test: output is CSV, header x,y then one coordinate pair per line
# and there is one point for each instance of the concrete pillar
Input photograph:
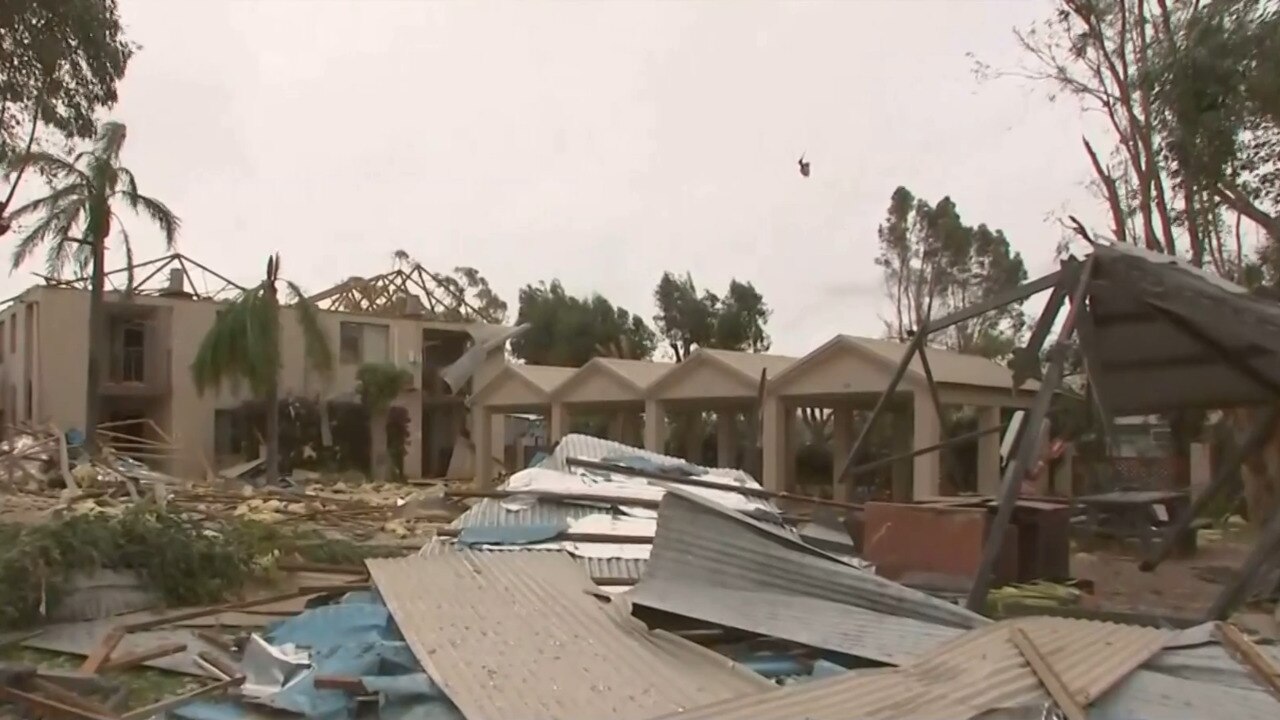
x,y
793,437
726,443
655,426
774,444
989,452
482,436
559,422
841,443
926,469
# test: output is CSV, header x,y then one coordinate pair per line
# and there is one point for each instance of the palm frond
x,y
128,254
74,192
158,212
315,343
130,183
51,165
240,347
54,228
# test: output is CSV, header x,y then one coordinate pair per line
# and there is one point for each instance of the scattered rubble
x,y
606,582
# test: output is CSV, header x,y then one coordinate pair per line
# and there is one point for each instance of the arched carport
x,y
515,389
848,374
723,382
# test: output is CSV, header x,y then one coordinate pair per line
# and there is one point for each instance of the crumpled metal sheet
x,y
523,635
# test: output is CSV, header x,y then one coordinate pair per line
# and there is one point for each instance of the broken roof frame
x,y
390,293
153,269
1159,305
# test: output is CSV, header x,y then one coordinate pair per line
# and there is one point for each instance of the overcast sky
x,y
598,142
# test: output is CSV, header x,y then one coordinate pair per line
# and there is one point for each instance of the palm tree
x,y
86,191
244,346
379,386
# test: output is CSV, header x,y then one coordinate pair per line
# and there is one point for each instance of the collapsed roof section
x,y
410,289
173,275
1160,335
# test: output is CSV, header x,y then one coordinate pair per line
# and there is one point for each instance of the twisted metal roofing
x,y
526,635
979,672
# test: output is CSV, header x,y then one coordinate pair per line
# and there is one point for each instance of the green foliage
x,y
379,384
935,264
470,297
243,344
1218,85
689,320
300,437
482,303
569,331
61,59
86,191
186,562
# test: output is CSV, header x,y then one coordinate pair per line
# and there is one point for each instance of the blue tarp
x,y
353,638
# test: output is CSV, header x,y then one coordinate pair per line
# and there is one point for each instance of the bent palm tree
x,y
243,346
86,191
379,386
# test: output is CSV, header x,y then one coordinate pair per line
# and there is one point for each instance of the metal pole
x,y
1028,445
948,443
1018,294
947,457
1263,553
1226,470
883,400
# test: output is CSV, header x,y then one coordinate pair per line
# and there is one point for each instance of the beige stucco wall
x,y
61,350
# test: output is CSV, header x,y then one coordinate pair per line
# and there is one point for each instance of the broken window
x,y
129,352
360,343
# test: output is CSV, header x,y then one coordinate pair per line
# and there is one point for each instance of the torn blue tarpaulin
x,y
353,638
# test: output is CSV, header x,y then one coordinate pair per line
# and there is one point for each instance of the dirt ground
x,y
1180,587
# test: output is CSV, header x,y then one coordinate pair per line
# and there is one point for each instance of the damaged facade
x,y
155,332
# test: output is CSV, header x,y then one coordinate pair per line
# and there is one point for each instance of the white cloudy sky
x,y
598,142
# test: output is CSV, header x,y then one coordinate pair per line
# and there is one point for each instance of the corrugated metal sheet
x,y
708,546
587,447
489,512
724,568
626,570
1149,695
1210,664
977,673
521,635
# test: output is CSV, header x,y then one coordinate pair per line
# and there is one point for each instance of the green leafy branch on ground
x,y
187,562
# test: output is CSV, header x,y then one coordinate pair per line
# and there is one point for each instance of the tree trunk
x,y
273,390
272,402
98,344
378,452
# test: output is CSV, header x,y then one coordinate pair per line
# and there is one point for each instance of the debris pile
x,y
611,583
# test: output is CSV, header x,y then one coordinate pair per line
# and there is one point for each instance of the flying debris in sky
x,y
804,166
